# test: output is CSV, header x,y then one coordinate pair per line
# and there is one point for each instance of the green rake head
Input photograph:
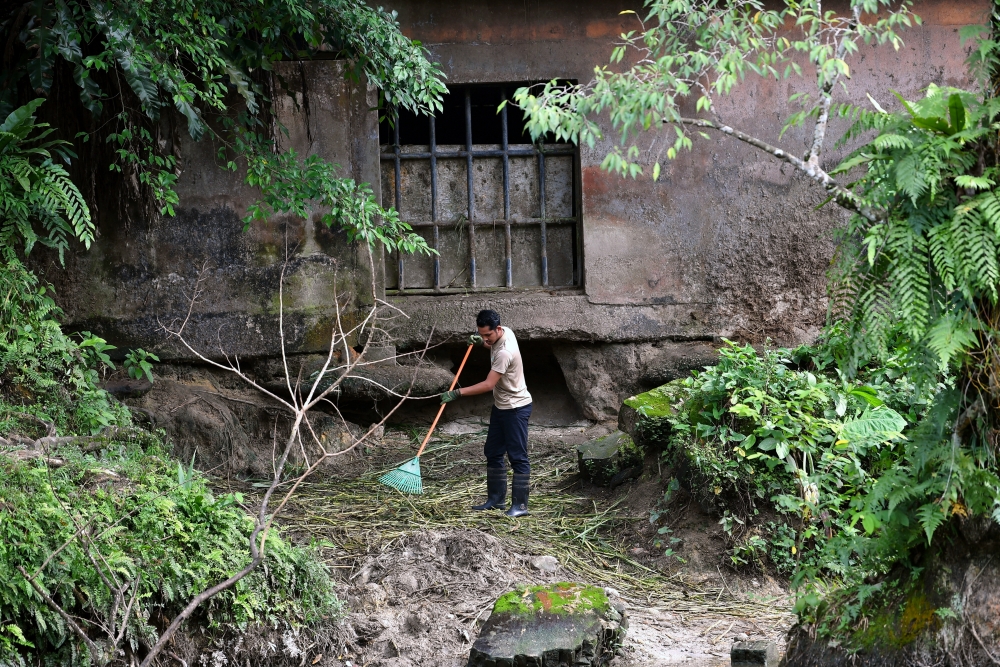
x,y
405,478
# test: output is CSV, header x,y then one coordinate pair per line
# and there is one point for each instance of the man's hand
x,y
449,396
475,339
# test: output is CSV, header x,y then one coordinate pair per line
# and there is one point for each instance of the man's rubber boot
x,y
519,496
496,489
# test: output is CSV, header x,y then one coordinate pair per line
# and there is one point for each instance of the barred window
x,y
502,212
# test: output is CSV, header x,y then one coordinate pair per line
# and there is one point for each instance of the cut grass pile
x,y
360,517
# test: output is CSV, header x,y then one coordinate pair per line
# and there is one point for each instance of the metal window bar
x,y
541,214
437,240
469,180
508,268
505,153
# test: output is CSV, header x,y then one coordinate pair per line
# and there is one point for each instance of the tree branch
x,y
826,95
299,407
840,194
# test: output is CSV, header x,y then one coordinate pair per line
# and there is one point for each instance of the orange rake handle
x,y
441,411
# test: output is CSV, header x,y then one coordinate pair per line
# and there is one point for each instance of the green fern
x,y
934,255
38,201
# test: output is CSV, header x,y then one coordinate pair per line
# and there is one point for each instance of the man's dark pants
x,y
508,435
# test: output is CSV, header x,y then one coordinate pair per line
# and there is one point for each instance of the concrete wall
x,y
141,276
726,243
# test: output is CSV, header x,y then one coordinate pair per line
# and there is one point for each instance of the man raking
x,y
508,434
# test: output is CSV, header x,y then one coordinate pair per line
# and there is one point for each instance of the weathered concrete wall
x,y
140,277
726,243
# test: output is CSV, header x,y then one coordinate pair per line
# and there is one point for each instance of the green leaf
x,y
950,336
956,111
935,124
974,182
874,425
781,449
867,394
21,119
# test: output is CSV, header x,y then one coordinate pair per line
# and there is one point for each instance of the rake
x,y
406,478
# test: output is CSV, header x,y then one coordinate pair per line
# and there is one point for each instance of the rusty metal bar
x,y
508,268
514,222
437,258
541,214
578,228
399,199
464,290
472,205
482,152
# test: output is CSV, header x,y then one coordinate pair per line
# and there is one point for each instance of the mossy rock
x,y
646,416
609,459
945,612
553,625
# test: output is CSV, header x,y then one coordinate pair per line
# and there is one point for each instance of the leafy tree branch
x,y
702,50
131,63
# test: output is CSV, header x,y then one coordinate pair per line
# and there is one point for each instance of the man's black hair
x,y
488,318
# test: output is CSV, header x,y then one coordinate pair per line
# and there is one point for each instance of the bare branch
x,y
196,292
281,320
299,408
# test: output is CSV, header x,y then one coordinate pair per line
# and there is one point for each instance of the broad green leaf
x,y
956,111
781,449
874,425
21,117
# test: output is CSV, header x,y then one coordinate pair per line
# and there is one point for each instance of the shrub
x,y
777,435
167,534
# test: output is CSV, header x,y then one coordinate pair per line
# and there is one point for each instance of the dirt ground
x,y
420,573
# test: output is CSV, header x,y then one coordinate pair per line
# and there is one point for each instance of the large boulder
x,y
610,459
555,625
600,375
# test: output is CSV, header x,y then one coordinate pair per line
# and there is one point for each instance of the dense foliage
x,y
788,453
192,55
212,64
114,508
34,189
131,514
117,512
930,265
915,294
44,371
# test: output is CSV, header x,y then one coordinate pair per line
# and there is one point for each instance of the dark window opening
x,y
487,125
501,211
